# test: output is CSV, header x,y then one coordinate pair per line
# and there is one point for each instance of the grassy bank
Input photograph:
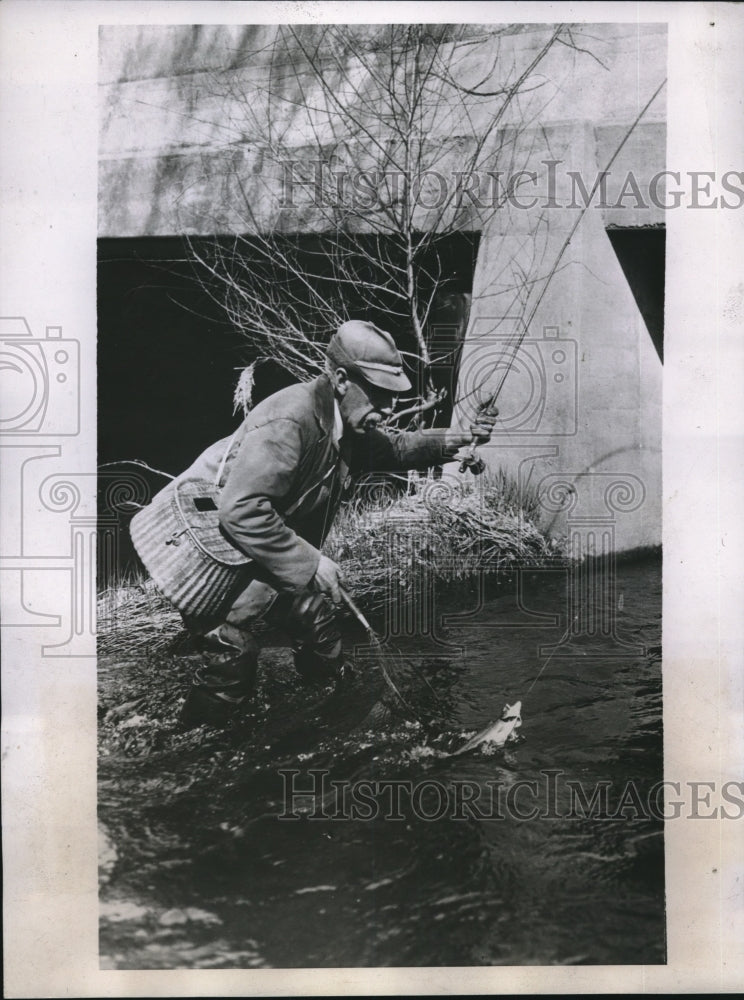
x,y
439,529
436,530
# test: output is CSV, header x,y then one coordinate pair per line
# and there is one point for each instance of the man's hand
x,y
482,428
327,579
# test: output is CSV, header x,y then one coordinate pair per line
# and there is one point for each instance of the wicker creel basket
x,y
178,538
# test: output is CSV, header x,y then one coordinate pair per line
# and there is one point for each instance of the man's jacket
x,y
283,476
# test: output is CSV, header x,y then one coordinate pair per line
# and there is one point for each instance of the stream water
x,y
415,858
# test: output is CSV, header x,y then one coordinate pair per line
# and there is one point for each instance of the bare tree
x,y
370,146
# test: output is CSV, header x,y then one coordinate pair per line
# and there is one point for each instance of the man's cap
x,y
364,349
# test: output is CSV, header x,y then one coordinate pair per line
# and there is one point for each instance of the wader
x,y
227,677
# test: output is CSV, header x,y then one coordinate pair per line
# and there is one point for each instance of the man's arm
x,y
261,479
386,451
381,451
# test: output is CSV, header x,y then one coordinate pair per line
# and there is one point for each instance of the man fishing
x,y
281,479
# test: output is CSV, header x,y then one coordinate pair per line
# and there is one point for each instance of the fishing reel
x,y
472,461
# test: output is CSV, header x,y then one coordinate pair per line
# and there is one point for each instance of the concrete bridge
x,y
568,285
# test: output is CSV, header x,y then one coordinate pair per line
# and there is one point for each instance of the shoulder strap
x,y
221,467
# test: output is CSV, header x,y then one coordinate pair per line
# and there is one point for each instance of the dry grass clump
x,y
134,616
446,529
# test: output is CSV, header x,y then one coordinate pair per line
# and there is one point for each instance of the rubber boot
x,y
315,669
226,680
310,621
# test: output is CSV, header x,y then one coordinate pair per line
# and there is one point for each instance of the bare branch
x,y
371,113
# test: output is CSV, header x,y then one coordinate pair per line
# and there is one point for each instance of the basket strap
x,y
221,468
315,485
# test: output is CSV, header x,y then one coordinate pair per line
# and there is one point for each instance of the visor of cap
x,y
389,377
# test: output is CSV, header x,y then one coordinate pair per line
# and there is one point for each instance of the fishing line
x,y
541,670
598,180
543,667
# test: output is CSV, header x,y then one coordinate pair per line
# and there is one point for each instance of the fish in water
x,y
497,733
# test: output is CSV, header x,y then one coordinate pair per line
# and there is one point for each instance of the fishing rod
x,y
471,460
355,610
